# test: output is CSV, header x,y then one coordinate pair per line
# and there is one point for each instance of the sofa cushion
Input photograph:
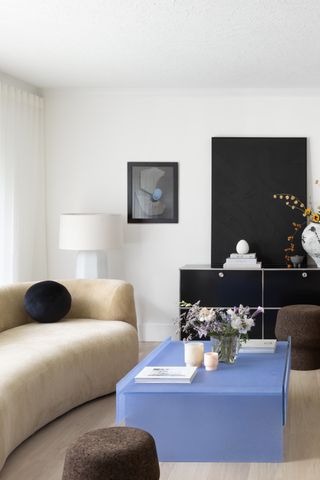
x,y
47,301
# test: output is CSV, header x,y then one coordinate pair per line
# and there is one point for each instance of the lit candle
x,y
193,354
211,360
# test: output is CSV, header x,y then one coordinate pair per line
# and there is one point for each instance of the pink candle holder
x,y
211,360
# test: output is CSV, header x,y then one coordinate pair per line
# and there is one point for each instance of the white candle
x,y
193,354
211,360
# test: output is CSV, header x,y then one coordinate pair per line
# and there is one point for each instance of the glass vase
x,y
227,347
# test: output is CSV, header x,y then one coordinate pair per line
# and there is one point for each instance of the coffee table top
x,y
251,374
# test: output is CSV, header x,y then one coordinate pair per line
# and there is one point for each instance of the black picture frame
x,y
152,192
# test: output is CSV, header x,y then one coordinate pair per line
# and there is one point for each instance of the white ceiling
x,y
162,43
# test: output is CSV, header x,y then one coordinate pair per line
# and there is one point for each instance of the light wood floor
x,y
41,456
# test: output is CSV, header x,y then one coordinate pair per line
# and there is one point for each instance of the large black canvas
x,y
246,172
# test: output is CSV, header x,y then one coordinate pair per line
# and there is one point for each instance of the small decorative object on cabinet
x,y
242,247
297,260
271,288
242,261
310,239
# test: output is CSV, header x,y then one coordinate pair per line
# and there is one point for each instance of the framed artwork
x,y
152,192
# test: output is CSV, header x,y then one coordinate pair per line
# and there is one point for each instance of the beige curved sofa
x,y
47,369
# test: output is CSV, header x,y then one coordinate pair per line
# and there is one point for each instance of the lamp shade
x,y
89,231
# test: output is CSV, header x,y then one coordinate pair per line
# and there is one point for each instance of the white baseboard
x,y
156,332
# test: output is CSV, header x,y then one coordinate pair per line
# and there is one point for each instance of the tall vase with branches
x,y
310,237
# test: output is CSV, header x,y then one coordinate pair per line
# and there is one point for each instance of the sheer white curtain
x,y
22,186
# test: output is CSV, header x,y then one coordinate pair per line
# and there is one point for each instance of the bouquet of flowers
x,y
217,322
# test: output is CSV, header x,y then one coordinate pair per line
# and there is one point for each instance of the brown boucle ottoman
x,y
302,323
117,453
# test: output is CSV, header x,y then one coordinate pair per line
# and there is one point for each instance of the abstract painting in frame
x,y
152,192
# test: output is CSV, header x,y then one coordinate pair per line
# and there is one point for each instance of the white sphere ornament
x,y
242,247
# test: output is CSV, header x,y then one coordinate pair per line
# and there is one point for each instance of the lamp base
x,y
91,264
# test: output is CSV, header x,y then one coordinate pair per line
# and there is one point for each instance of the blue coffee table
x,y
234,414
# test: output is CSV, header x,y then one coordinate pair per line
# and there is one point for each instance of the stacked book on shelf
x,y
242,261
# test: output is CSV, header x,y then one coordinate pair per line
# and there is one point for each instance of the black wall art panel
x,y
246,172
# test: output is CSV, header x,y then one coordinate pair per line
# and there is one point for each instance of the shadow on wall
x,y
132,233
154,323
115,262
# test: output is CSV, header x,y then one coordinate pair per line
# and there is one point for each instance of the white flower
x,y
206,315
249,323
236,322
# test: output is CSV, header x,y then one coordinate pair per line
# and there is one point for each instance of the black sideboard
x,y
270,288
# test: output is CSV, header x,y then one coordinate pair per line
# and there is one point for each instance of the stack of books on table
x,y
259,346
245,261
166,375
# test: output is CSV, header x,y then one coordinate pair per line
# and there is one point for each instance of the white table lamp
x,y
90,234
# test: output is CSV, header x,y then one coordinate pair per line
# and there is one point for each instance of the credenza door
x,y
221,288
291,287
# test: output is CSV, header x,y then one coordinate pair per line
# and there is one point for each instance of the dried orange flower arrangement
x,y
295,203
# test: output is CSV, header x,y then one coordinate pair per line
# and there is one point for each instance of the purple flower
x,y
204,321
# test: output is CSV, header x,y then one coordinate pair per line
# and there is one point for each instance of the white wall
x,y
20,84
92,134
